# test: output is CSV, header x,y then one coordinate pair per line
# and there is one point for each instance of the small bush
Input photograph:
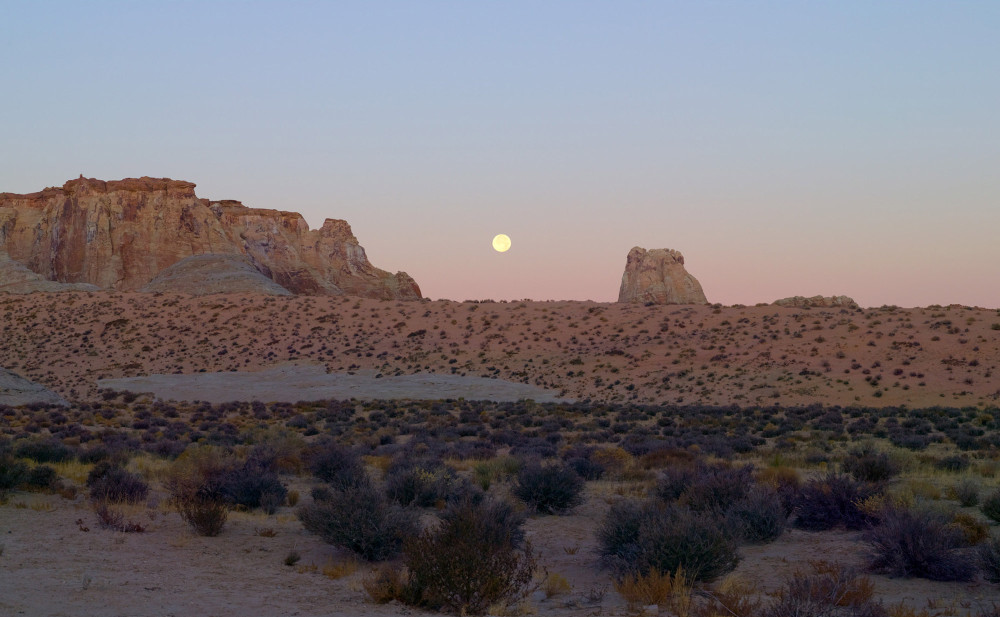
x,y
991,506
552,489
468,562
419,484
206,514
12,474
585,468
636,538
110,483
974,529
42,477
956,463
716,489
385,584
43,450
338,466
988,557
919,543
758,517
654,587
359,519
830,591
252,486
832,500
965,492
869,465
110,518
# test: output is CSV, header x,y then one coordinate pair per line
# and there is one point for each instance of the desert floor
x,y
582,350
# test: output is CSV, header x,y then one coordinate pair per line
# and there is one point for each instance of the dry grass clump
x,y
831,589
655,587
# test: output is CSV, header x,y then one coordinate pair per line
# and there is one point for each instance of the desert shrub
x,y
360,519
468,562
110,518
991,506
43,450
640,537
111,483
956,463
973,529
419,483
786,483
919,543
205,513
339,466
715,489
42,477
869,465
826,502
988,557
758,517
830,591
655,587
675,480
732,598
965,492
549,489
12,474
585,468
385,584
252,485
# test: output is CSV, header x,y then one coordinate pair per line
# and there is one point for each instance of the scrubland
x,y
715,461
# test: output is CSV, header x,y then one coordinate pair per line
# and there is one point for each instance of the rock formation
x,y
658,276
16,278
201,275
121,234
817,302
16,390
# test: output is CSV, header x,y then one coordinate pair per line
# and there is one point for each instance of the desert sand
x,y
582,350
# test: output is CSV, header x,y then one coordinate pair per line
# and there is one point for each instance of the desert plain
x,y
636,389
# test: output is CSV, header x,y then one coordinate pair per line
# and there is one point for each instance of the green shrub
x,y
636,538
359,519
832,500
758,517
470,561
110,483
991,506
869,465
206,514
551,489
919,543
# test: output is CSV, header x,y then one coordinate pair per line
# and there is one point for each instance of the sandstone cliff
x,y
817,302
658,276
121,234
16,278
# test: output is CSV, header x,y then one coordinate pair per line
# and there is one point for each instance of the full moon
x,y
501,242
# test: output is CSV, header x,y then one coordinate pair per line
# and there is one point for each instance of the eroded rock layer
x,y
121,234
658,276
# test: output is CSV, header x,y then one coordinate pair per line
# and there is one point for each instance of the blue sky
x,y
784,147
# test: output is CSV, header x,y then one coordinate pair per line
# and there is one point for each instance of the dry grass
x,y
659,588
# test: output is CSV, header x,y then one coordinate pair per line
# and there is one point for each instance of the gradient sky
x,y
785,148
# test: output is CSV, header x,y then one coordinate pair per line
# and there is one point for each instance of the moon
x,y
501,243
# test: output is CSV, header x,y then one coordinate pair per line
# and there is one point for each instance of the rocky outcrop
x,y
201,275
658,276
121,234
16,390
16,278
817,302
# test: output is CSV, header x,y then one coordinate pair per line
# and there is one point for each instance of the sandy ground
x,y
582,350
291,382
50,566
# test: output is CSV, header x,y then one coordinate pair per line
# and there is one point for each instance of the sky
x,y
785,148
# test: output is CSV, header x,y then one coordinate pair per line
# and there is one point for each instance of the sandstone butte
x,y
121,234
658,276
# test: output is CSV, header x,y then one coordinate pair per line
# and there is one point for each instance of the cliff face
x,y
121,234
658,276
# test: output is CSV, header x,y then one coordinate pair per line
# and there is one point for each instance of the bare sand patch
x,y
291,382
